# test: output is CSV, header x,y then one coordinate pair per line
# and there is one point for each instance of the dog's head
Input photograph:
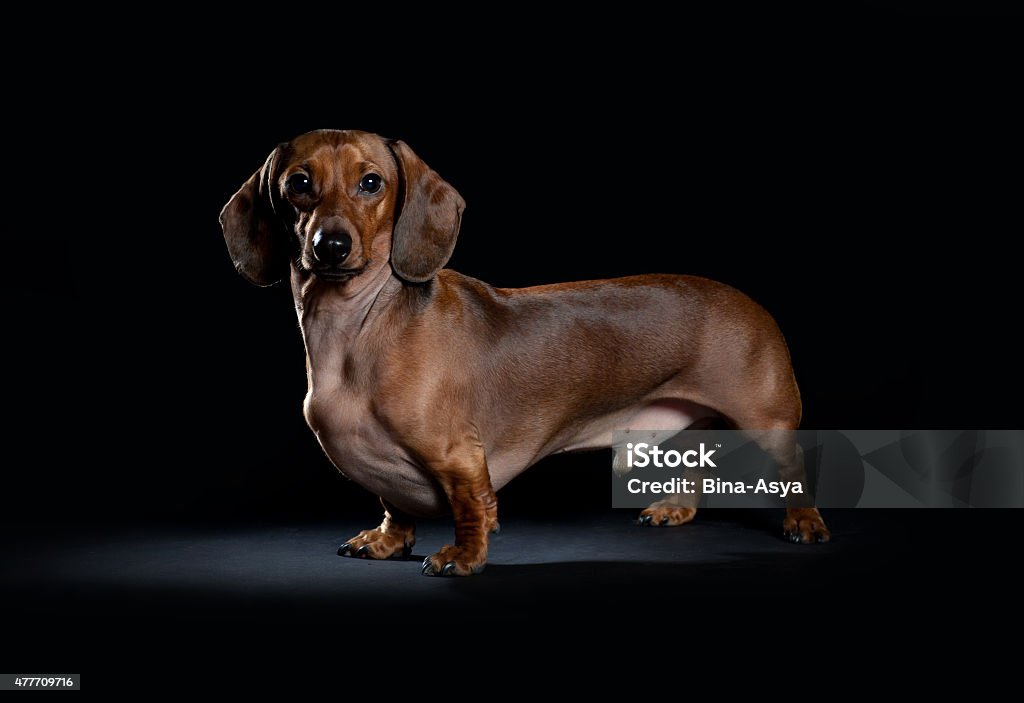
x,y
338,204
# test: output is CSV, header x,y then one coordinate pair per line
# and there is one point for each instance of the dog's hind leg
x,y
803,523
681,508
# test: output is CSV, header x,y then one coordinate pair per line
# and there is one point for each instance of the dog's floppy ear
x,y
427,218
256,240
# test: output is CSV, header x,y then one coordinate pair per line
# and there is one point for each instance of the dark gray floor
x,y
214,591
296,564
566,563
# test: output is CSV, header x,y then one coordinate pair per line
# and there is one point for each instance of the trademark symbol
x,y
718,445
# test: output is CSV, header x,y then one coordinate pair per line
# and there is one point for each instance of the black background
x,y
868,204
860,179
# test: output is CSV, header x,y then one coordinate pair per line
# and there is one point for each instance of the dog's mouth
x,y
336,275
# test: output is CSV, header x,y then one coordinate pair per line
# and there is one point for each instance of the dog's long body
x,y
433,390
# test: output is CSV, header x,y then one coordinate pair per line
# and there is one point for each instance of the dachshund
x,y
433,390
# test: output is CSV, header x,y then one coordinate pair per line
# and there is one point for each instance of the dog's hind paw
x,y
664,514
805,526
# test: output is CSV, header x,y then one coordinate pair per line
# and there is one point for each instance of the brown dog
x,y
434,390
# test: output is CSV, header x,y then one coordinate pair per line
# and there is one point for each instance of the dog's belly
x,y
664,417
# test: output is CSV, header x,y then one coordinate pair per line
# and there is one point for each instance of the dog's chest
x,y
361,448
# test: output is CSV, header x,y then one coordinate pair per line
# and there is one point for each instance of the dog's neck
x,y
333,313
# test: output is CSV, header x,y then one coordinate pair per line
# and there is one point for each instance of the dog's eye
x,y
370,183
299,183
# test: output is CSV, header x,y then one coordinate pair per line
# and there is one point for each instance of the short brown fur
x,y
433,389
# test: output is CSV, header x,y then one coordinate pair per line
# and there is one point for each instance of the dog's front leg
x,y
462,473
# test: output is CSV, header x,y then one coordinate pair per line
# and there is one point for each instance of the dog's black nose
x,y
331,248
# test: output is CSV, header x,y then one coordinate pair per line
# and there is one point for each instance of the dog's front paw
x,y
805,526
664,514
454,561
375,544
